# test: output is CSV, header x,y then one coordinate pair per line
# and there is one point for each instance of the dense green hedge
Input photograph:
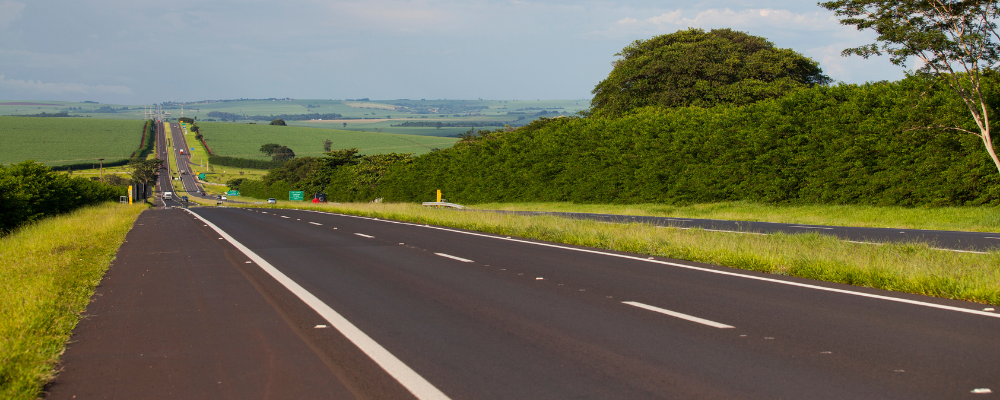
x,y
244,162
845,144
30,191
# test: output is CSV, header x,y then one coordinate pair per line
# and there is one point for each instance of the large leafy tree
x,y
145,171
697,68
955,40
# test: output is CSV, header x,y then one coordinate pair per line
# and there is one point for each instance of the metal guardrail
x,y
443,204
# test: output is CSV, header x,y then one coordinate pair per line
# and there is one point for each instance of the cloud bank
x,y
32,86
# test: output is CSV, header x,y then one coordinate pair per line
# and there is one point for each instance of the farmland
x,y
359,115
244,140
60,141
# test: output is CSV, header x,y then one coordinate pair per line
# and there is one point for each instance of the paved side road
x,y
181,315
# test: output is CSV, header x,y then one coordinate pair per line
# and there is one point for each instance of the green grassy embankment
x,y
915,268
48,271
974,219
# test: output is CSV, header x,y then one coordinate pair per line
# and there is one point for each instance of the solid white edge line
x,y
679,315
363,235
316,223
453,257
412,381
691,267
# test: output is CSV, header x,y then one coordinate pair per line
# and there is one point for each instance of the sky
x,y
143,52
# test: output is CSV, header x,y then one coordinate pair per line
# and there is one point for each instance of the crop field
x,y
60,141
360,115
244,140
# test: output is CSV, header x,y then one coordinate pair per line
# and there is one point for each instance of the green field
x,y
244,140
364,116
60,141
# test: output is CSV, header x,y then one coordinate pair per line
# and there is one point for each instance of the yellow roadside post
x,y
439,196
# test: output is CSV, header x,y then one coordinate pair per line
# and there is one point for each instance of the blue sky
x,y
141,51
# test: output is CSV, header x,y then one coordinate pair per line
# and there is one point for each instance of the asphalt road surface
x,y
951,240
257,303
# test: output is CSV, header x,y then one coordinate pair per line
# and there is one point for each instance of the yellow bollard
x,y
439,196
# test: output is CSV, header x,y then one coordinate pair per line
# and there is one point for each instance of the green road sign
x,y
201,176
233,193
297,195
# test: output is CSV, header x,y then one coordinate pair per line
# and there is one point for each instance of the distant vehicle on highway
x,y
224,198
182,151
184,199
272,201
168,195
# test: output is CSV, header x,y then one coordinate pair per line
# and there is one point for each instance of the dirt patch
x,y
30,104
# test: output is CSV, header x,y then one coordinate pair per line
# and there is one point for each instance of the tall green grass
x,y
915,268
48,271
975,219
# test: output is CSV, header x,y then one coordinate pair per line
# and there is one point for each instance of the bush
x,y
30,191
244,162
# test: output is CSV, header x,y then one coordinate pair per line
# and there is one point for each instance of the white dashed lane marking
x,y
679,315
453,257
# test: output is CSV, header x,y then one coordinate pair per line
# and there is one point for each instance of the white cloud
x,y
10,11
31,86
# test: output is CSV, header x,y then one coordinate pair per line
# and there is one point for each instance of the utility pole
x,y
101,161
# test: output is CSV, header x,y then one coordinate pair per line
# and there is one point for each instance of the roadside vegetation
x,y
915,268
973,219
48,272
30,191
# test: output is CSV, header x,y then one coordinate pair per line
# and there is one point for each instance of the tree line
x,y
764,126
286,117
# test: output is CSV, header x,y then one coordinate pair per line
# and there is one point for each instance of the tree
x,y
145,171
697,68
337,158
327,145
282,153
345,124
956,41
278,122
268,149
439,124
234,184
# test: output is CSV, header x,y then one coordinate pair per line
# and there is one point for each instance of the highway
x,y
166,170
372,308
189,181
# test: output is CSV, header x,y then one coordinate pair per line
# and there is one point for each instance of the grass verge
x,y
904,267
974,219
48,271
